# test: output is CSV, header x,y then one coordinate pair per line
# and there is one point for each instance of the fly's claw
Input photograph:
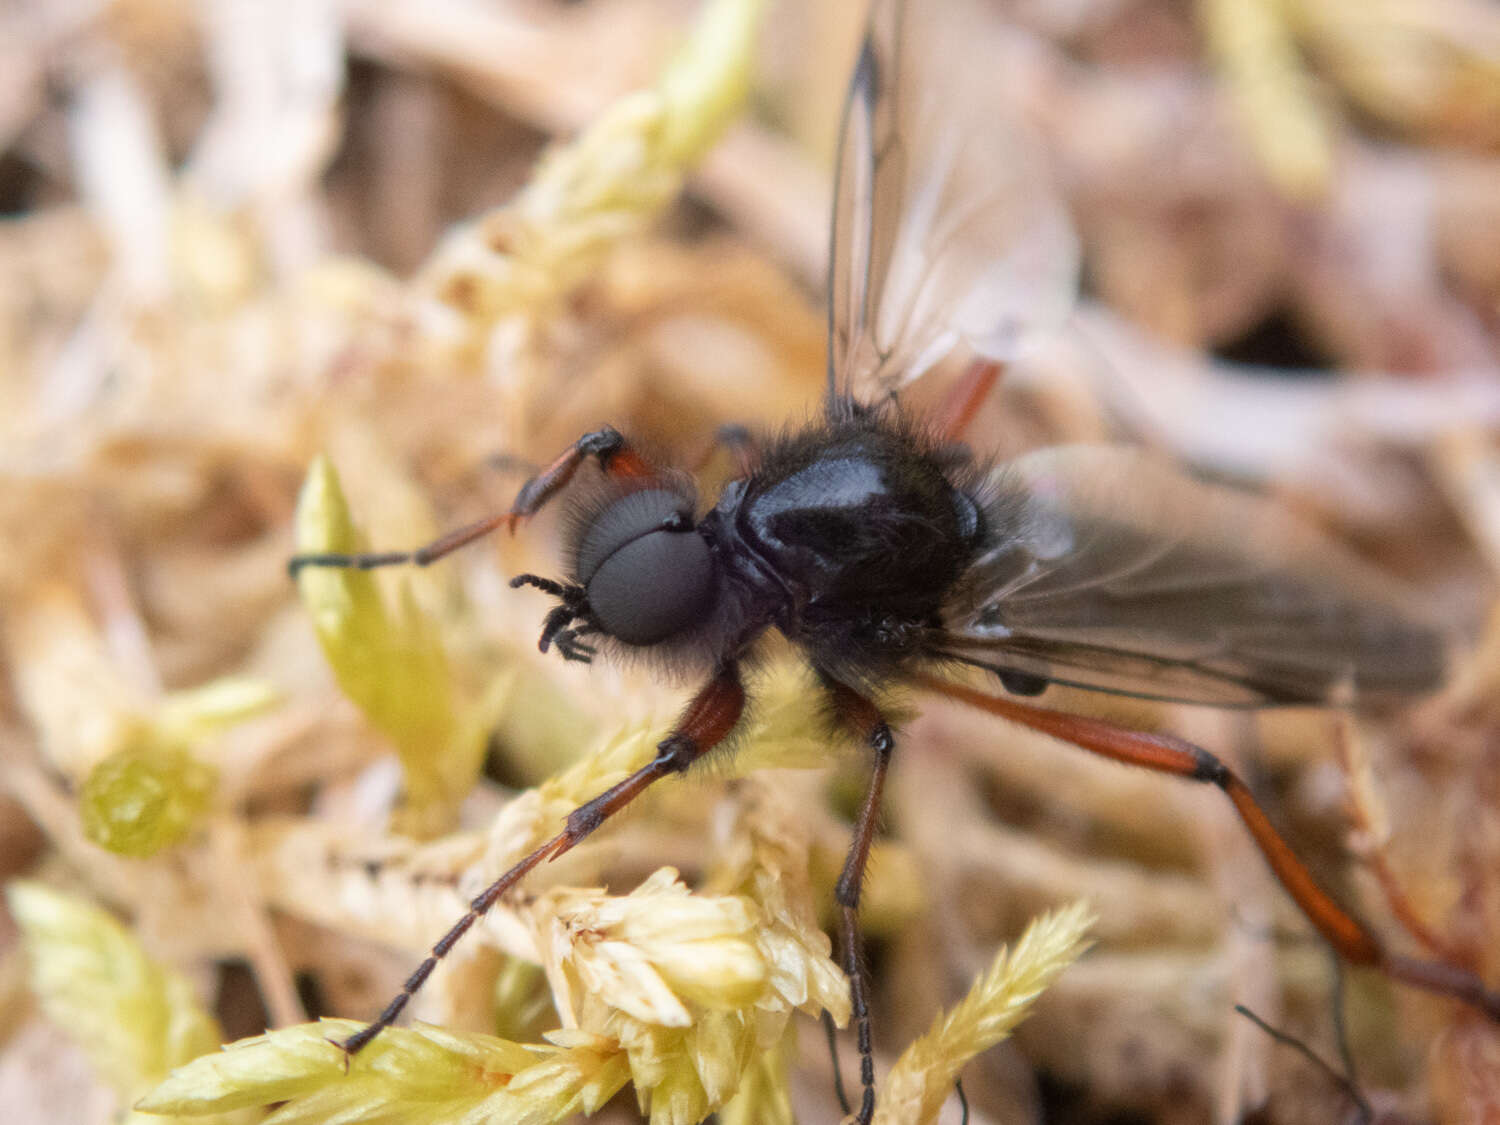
x,y
572,648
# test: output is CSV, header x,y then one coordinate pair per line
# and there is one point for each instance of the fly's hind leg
x,y
607,446
1351,938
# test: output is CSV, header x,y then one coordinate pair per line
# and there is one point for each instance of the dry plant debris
x,y
378,255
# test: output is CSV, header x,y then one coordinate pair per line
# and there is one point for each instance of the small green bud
x,y
144,797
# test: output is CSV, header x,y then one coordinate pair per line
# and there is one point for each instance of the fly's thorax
x,y
858,517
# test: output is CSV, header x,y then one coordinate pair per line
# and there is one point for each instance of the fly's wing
x,y
1114,572
944,226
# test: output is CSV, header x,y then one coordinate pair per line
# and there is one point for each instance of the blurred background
x,y
241,234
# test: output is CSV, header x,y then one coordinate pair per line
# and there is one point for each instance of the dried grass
x,y
243,237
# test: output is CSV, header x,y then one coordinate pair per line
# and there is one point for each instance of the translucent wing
x,y
944,226
1115,572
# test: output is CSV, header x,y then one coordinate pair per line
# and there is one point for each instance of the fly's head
x,y
643,575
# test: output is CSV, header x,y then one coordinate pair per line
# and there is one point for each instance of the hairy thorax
x,y
858,531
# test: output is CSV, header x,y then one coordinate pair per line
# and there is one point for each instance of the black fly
x,y
885,552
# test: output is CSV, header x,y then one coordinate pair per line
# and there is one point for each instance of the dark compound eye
x,y
648,573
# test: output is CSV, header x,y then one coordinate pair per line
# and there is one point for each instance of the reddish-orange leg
x,y
705,723
607,446
965,397
861,716
1349,937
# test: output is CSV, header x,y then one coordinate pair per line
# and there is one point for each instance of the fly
x,y
882,549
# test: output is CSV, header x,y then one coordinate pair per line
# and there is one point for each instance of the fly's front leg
x,y
707,721
607,446
860,715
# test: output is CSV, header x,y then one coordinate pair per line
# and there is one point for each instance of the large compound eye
x,y
648,573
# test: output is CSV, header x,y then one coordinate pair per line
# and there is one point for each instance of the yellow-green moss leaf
x,y
135,1019
202,712
923,1076
388,659
606,185
706,84
277,1066
416,1076
763,1096
522,1002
